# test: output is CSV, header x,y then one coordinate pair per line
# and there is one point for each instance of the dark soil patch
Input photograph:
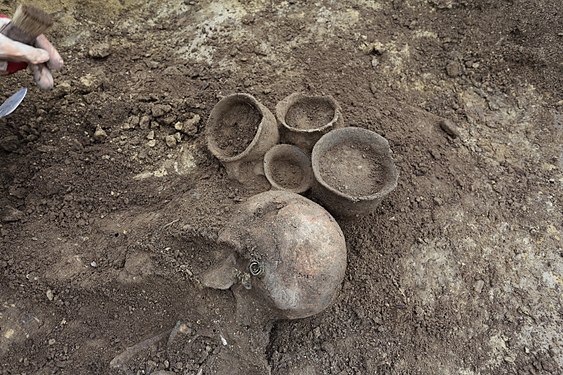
x,y
237,128
286,173
310,113
352,169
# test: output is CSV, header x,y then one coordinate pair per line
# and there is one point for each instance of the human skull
x,y
289,252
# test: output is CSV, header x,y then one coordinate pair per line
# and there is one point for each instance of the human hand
x,y
42,60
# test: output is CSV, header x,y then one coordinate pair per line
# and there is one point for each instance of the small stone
x,y
150,135
151,64
145,122
88,83
151,366
132,122
479,286
9,143
50,295
317,332
172,71
159,110
549,365
52,341
64,88
449,128
178,137
189,127
94,264
374,62
100,50
453,69
373,88
169,119
170,141
155,125
151,143
100,134
10,214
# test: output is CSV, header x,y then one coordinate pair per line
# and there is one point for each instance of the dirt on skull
x,y
310,113
352,169
237,128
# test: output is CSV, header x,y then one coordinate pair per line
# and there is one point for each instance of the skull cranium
x,y
287,252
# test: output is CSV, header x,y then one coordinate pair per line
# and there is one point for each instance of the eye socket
x,y
255,268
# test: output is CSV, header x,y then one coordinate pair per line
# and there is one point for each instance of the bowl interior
x,y
310,113
234,123
288,168
355,162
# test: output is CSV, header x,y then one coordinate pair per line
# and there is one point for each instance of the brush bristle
x,y
31,20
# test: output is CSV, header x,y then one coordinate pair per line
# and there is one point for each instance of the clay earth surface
x,y
110,202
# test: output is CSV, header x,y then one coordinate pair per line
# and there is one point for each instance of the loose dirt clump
x,y
352,169
310,113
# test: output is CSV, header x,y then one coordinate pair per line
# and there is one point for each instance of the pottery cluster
x,y
285,251
360,173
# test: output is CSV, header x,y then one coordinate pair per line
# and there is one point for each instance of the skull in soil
x,y
286,252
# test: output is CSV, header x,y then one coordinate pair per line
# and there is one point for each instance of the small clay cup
x,y
305,119
240,130
288,168
354,171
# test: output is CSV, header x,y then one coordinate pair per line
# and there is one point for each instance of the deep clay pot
x,y
305,119
240,130
353,171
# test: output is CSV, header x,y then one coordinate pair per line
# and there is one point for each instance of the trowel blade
x,y
12,102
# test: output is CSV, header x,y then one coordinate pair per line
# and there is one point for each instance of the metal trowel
x,y
12,102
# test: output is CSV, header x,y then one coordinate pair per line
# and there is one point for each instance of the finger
x,y
15,51
55,60
42,76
